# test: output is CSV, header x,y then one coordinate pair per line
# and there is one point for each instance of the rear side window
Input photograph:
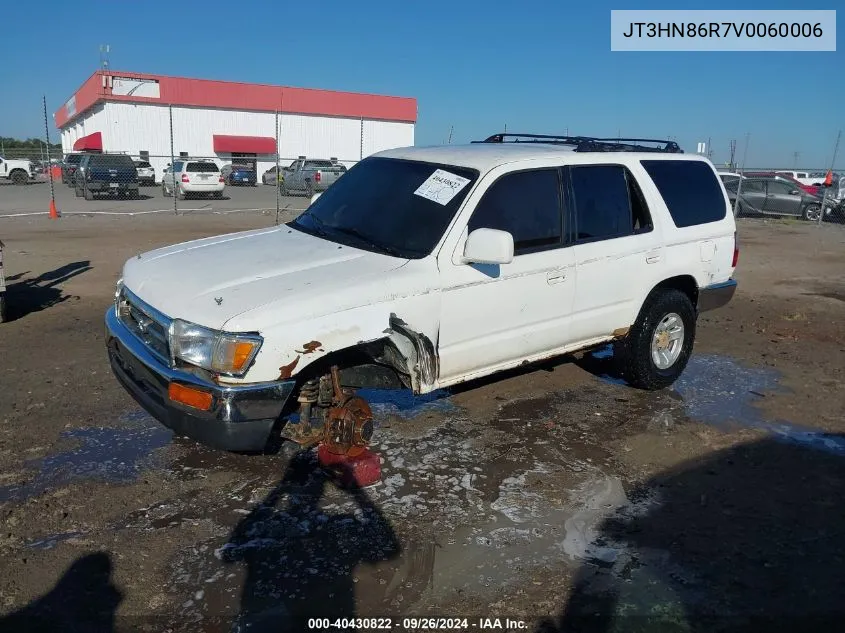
x,y
690,190
526,205
607,203
203,167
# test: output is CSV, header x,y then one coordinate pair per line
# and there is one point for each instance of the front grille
x,y
145,323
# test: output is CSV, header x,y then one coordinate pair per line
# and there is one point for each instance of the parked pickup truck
x,y
423,268
308,176
19,172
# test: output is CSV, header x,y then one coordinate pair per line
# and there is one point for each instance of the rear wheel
x,y
87,193
812,212
164,191
218,194
659,344
77,190
19,177
180,194
309,189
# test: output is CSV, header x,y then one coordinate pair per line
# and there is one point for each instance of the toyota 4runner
x,y
422,268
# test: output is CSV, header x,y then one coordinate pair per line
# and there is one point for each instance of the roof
x,y
486,156
130,87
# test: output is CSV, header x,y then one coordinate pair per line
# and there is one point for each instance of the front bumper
x,y
716,296
241,416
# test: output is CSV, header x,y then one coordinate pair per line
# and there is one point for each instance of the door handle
x,y
652,258
556,277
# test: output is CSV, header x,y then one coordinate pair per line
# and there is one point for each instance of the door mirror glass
x,y
489,246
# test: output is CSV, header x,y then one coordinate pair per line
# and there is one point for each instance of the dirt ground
x,y
556,496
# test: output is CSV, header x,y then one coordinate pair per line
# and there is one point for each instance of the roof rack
x,y
589,143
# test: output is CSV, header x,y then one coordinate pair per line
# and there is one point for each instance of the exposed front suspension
x,y
332,416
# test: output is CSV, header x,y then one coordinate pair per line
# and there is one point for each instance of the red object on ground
x,y
361,470
54,214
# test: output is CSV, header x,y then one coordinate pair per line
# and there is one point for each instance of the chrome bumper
x,y
716,296
241,416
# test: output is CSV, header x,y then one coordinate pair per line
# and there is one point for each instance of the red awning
x,y
244,144
92,142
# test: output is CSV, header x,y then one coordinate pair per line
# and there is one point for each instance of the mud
x,y
556,493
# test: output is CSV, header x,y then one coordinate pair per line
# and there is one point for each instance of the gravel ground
x,y
555,496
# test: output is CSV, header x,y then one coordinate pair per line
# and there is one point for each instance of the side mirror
x,y
489,246
315,196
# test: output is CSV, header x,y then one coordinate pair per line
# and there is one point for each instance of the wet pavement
x,y
465,506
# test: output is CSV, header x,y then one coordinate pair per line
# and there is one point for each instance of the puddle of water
x,y
113,454
719,391
49,542
404,403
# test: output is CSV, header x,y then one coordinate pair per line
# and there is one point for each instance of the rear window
x,y
202,167
142,164
318,164
73,158
690,190
118,160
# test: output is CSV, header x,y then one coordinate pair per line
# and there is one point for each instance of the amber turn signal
x,y
189,396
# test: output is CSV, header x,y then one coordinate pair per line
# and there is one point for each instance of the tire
x,y
179,193
19,177
634,353
87,193
812,212
309,189
164,192
282,189
218,195
77,190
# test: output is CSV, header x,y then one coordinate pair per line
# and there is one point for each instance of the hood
x,y
211,281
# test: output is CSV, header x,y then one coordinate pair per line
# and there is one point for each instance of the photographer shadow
x,y
301,560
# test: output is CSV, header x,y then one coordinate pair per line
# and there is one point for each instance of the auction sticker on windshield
x,y
441,186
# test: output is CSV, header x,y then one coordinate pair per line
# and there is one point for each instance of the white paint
x,y
294,288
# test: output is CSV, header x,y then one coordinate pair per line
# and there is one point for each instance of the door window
x,y
779,187
607,203
525,204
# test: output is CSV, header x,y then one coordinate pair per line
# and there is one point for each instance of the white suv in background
x,y
423,268
192,177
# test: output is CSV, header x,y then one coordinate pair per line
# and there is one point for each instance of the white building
x,y
133,113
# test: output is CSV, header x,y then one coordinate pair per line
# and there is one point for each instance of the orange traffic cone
x,y
828,180
54,214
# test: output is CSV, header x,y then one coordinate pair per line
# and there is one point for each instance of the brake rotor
x,y
349,427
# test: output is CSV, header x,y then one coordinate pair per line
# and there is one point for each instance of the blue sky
x,y
543,67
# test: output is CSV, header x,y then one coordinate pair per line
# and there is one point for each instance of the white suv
x,y
424,268
192,177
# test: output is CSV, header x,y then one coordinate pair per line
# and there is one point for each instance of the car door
x,y
3,167
292,175
782,198
497,315
617,251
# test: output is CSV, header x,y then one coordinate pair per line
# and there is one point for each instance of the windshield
x,y
381,206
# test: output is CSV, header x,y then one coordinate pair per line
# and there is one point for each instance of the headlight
x,y
118,290
220,352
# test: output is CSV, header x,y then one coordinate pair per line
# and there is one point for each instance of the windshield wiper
x,y
390,250
319,226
